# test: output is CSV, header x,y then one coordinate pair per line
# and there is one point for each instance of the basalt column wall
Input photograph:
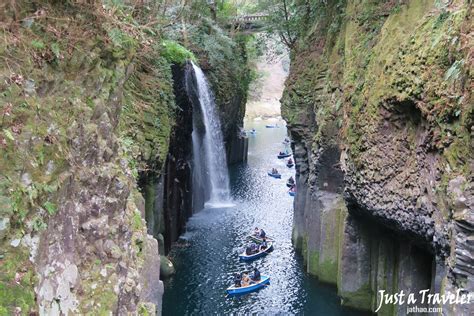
x,y
384,169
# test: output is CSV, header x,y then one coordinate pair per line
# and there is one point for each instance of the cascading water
x,y
210,163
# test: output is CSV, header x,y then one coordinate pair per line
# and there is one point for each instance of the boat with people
x,y
272,126
286,141
258,235
255,251
290,163
249,287
292,191
283,154
252,131
290,182
274,173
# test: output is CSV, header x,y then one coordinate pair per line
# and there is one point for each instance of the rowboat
x,y
289,184
275,175
264,281
271,126
290,165
281,156
292,193
244,257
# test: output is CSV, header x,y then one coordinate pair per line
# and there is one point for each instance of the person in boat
x,y
290,161
282,153
254,247
253,130
248,250
262,234
256,231
263,245
291,180
245,280
237,280
256,275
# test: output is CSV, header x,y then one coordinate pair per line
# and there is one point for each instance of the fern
x,y
56,50
50,208
8,134
37,44
116,37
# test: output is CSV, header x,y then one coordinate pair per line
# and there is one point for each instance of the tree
x,y
288,18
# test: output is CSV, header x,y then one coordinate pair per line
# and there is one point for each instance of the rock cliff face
x,y
171,199
90,147
76,240
379,107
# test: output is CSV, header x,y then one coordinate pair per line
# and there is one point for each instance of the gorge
x,y
125,186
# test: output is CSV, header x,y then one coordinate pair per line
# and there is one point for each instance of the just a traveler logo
x,y
424,297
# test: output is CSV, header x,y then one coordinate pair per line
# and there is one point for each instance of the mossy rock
x,y
166,267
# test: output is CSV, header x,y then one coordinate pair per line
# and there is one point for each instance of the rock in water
x,y
166,267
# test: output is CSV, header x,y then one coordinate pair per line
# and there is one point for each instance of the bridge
x,y
247,23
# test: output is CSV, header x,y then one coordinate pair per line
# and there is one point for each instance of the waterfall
x,y
210,175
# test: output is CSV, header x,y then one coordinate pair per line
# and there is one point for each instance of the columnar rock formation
x,y
89,120
380,111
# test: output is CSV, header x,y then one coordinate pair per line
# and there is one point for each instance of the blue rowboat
x,y
281,156
292,193
275,175
244,257
264,281
271,126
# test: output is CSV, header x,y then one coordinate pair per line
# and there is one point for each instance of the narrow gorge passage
x,y
207,255
130,173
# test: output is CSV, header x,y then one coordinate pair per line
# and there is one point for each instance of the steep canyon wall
x,y
379,107
93,156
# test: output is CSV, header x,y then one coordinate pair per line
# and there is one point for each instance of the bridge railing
x,y
249,18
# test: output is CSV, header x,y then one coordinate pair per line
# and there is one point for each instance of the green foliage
x,y
37,44
56,50
38,223
175,53
137,223
50,208
121,39
8,134
16,294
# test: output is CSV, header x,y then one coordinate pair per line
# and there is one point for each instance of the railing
x,y
247,23
249,18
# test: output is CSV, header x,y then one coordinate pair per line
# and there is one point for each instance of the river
x,y
206,261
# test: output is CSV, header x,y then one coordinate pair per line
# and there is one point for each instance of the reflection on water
x,y
215,237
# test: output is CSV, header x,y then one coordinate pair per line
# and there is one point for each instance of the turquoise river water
x,y
206,261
